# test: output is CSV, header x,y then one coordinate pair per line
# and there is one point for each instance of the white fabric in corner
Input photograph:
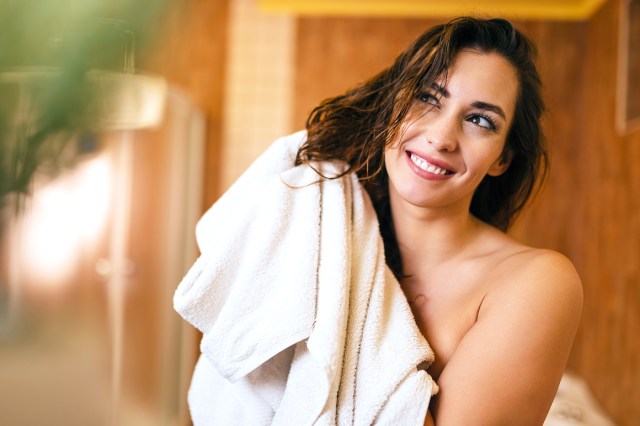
x,y
303,322
575,405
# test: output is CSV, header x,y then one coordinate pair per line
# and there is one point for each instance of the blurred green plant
x,y
48,49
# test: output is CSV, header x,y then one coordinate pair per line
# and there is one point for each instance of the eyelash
x,y
432,100
492,124
428,98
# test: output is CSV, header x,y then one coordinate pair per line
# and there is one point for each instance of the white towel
x,y
575,405
303,322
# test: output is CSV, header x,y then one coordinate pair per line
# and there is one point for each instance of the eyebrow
x,y
477,104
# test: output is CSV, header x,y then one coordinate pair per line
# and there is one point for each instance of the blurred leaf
x,y
47,47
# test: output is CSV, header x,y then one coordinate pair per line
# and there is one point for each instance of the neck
x,y
429,237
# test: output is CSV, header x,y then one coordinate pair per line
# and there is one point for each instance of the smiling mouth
x,y
423,164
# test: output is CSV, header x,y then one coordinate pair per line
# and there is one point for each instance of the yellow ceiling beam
x,y
514,9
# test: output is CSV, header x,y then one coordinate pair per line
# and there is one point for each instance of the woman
x,y
448,143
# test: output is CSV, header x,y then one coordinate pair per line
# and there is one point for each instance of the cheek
x,y
393,158
394,151
481,161
409,128
389,157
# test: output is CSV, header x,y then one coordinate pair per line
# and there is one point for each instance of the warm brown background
x,y
590,209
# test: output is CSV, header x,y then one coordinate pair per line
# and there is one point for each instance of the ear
x,y
501,164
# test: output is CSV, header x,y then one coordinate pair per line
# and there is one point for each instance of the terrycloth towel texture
x,y
303,322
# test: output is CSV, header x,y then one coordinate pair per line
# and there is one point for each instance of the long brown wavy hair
x,y
358,126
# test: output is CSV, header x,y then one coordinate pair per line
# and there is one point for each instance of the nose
x,y
441,131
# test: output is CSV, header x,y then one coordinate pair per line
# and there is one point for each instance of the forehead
x,y
485,77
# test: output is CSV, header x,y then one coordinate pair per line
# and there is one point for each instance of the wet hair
x,y
359,125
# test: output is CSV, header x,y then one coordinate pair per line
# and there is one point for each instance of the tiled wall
x,y
259,91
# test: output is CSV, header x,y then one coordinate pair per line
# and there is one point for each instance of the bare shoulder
x,y
522,276
534,287
529,313
539,274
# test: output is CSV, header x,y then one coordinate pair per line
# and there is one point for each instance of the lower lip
x,y
423,173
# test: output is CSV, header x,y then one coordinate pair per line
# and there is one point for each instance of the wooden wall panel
x,y
590,206
609,342
336,54
191,53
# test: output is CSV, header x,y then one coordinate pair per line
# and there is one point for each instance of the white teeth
x,y
427,167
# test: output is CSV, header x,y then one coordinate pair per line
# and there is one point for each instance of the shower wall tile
x,y
259,91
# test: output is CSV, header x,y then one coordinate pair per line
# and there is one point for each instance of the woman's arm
x,y
507,368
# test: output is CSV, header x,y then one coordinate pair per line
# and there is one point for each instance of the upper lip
x,y
438,163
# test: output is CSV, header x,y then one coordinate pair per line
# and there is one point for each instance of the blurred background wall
x,y
252,72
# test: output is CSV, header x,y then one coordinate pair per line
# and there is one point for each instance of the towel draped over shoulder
x,y
303,323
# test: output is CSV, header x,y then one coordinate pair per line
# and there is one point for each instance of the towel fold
x,y
303,322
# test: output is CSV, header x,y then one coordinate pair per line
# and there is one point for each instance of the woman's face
x,y
454,133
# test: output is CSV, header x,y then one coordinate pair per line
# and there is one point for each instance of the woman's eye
x,y
482,121
428,98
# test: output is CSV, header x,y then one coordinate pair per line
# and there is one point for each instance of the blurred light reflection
x,y
65,216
